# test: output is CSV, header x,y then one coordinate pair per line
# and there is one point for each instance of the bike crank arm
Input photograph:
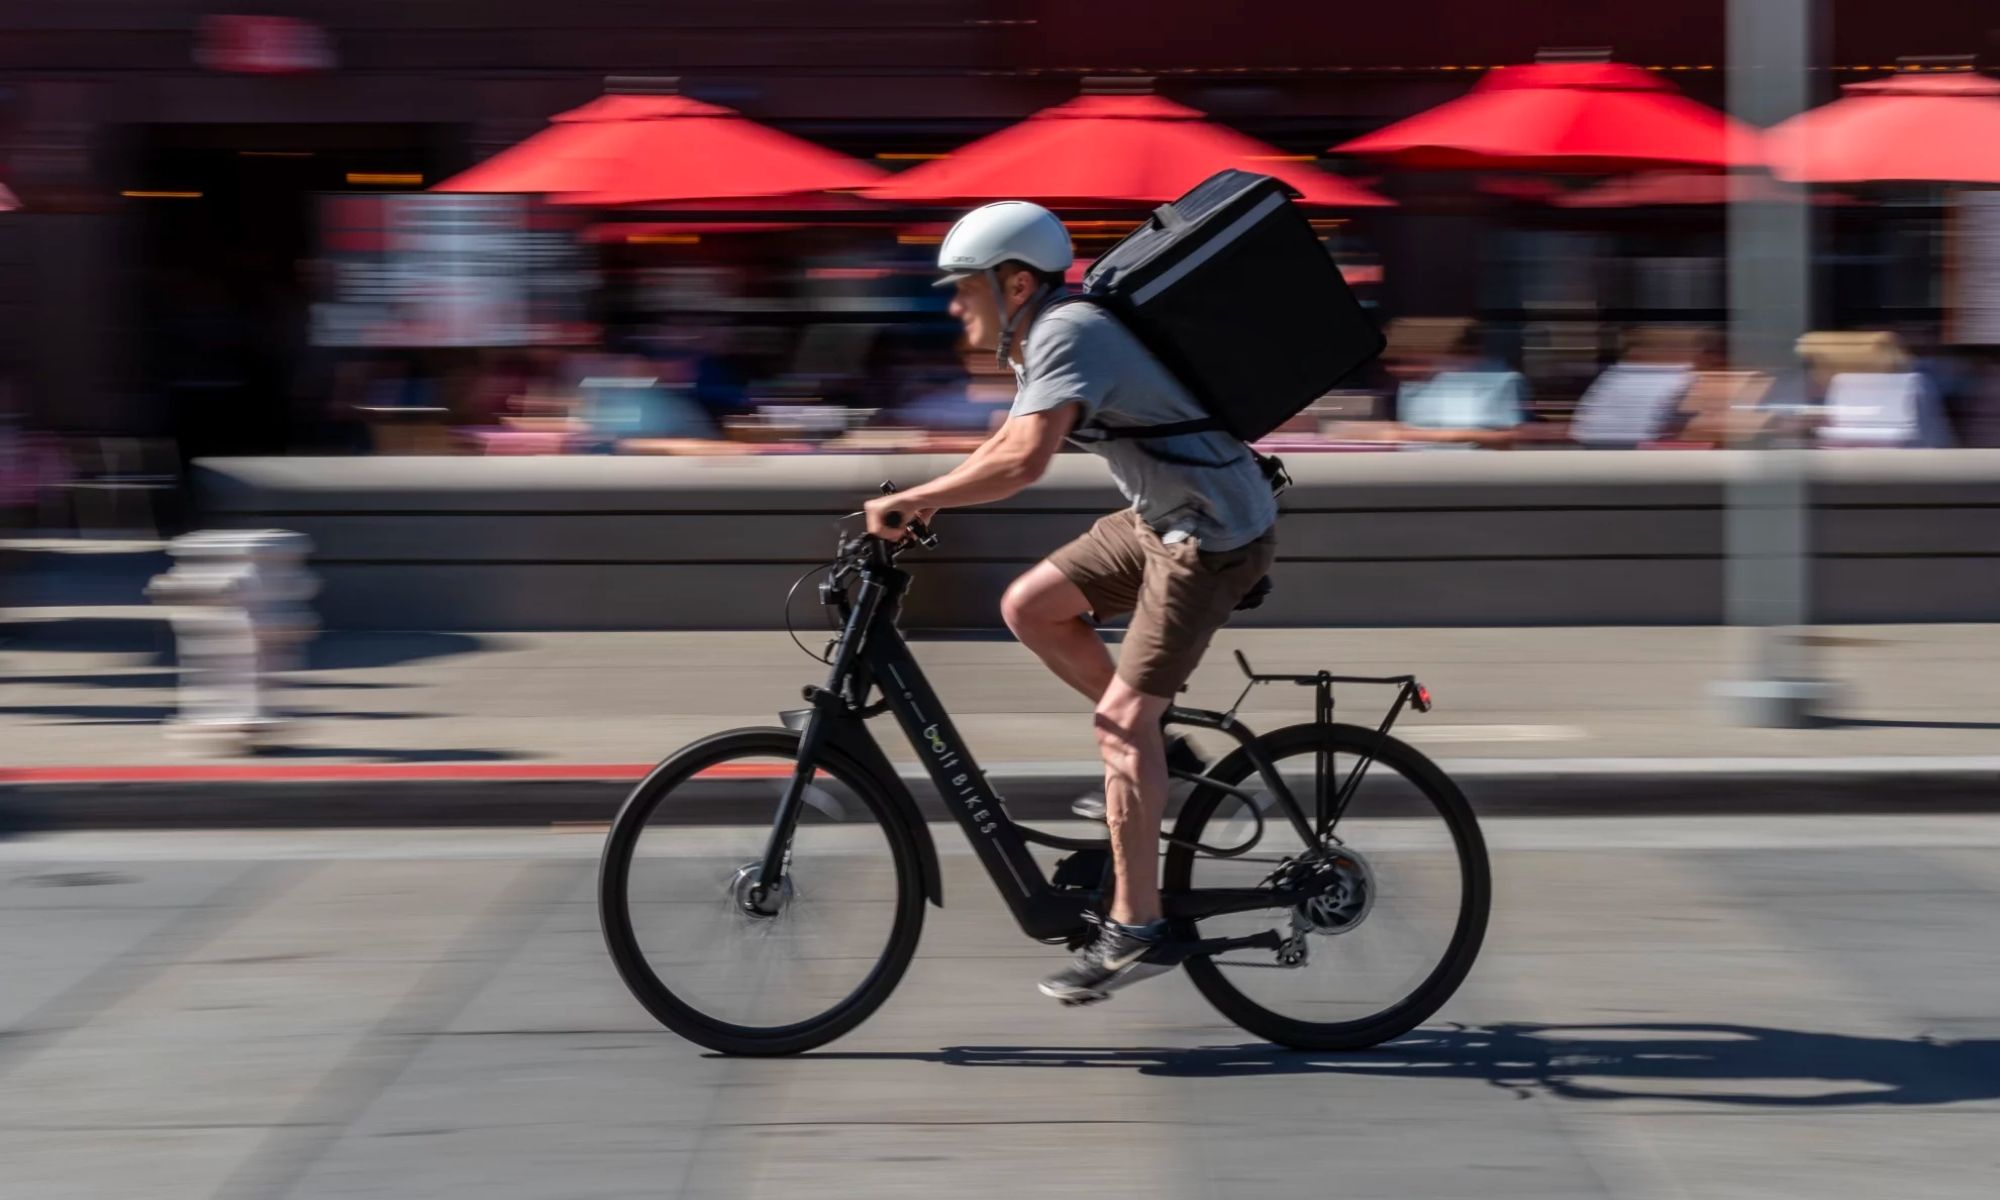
x,y
1270,939
1198,904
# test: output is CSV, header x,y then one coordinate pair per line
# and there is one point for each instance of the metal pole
x,y
1770,306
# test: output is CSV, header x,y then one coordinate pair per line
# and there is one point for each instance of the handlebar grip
x,y
919,532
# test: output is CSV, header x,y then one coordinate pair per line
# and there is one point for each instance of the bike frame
x,y
871,654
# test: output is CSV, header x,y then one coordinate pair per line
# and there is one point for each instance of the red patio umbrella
x,y
669,232
1687,189
1574,118
1914,127
661,149
1110,151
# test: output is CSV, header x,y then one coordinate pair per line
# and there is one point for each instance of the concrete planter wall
x,y
1367,539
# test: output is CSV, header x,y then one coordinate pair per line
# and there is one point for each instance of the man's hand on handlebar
x,y
890,516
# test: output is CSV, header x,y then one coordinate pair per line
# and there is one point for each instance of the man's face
x,y
972,303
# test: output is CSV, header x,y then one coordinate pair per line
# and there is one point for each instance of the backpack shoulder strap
x,y
1114,433
1119,433
1271,466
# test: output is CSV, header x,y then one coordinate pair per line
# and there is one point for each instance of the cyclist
x,y
1199,535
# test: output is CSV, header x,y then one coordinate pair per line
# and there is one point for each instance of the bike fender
x,y
851,738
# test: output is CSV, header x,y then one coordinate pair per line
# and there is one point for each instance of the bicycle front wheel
x,y
774,974
1372,956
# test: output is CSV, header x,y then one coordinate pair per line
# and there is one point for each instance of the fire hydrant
x,y
238,601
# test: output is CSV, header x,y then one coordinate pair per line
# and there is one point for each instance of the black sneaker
x,y
1117,956
1181,756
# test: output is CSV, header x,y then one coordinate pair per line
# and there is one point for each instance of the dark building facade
x,y
115,113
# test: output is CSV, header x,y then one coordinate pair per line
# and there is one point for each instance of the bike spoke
x,y
837,906
1355,970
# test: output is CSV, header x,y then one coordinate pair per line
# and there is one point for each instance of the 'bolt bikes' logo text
x,y
968,791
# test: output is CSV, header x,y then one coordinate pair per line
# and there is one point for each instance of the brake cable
x,y
792,594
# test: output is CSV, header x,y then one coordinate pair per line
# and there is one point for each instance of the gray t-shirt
x,y
1080,354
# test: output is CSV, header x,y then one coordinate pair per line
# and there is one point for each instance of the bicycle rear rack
x,y
1409,694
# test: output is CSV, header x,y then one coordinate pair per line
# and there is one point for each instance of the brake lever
x,y
915,531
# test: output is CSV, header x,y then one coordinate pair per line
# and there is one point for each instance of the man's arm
x,y
979,454
1015,456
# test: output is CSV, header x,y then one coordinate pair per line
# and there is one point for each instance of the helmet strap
x,y
1008,321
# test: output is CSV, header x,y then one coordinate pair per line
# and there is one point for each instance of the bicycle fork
x,y
827,703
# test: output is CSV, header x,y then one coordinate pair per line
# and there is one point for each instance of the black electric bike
x,y
762,890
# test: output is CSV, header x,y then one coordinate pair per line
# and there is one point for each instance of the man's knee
x,y
1017,605
1041,596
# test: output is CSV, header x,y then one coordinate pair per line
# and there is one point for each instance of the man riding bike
x,y
1199,535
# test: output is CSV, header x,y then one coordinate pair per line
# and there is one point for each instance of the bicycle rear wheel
x,y
713,964
1384,949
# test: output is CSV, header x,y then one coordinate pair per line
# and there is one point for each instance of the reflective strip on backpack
x,y
1210,248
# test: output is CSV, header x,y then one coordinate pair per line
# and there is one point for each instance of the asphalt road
x,y
1722,1007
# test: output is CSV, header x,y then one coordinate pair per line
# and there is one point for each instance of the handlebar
x,y
918,531
860,549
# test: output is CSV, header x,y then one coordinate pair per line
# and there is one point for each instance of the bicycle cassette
x,y
1342,887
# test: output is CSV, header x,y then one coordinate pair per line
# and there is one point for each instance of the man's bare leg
x,y
1135,796
1048,613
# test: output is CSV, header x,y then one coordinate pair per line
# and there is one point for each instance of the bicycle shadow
x,y
1721,1064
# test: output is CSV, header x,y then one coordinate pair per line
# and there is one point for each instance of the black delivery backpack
x,y
1230,289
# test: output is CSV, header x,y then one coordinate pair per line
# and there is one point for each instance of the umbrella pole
x,y
1770,307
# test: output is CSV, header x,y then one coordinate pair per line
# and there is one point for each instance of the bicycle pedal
x,y
1092,807
1089,808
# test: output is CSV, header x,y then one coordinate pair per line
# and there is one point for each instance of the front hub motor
x,y
755,901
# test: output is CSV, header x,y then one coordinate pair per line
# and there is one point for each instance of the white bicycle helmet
x,y
1009,231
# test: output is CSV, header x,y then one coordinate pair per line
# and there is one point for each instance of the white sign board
x,y
438,269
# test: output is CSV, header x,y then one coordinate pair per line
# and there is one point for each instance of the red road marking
x,y
468,772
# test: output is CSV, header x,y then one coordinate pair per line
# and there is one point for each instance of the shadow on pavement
x,y
167,678
337,650
1740,1065
125,679
385,755
154,714
1866,723
354,651
92,714
91,635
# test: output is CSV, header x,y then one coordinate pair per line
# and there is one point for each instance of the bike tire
x,y
1466,937
657,994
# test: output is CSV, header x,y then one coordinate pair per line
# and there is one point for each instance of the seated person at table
x,y
1640,398
1448,396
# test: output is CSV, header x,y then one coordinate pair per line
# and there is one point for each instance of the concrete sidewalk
x,y
82,703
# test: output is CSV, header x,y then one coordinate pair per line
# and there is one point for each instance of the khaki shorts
x,y
1178,594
